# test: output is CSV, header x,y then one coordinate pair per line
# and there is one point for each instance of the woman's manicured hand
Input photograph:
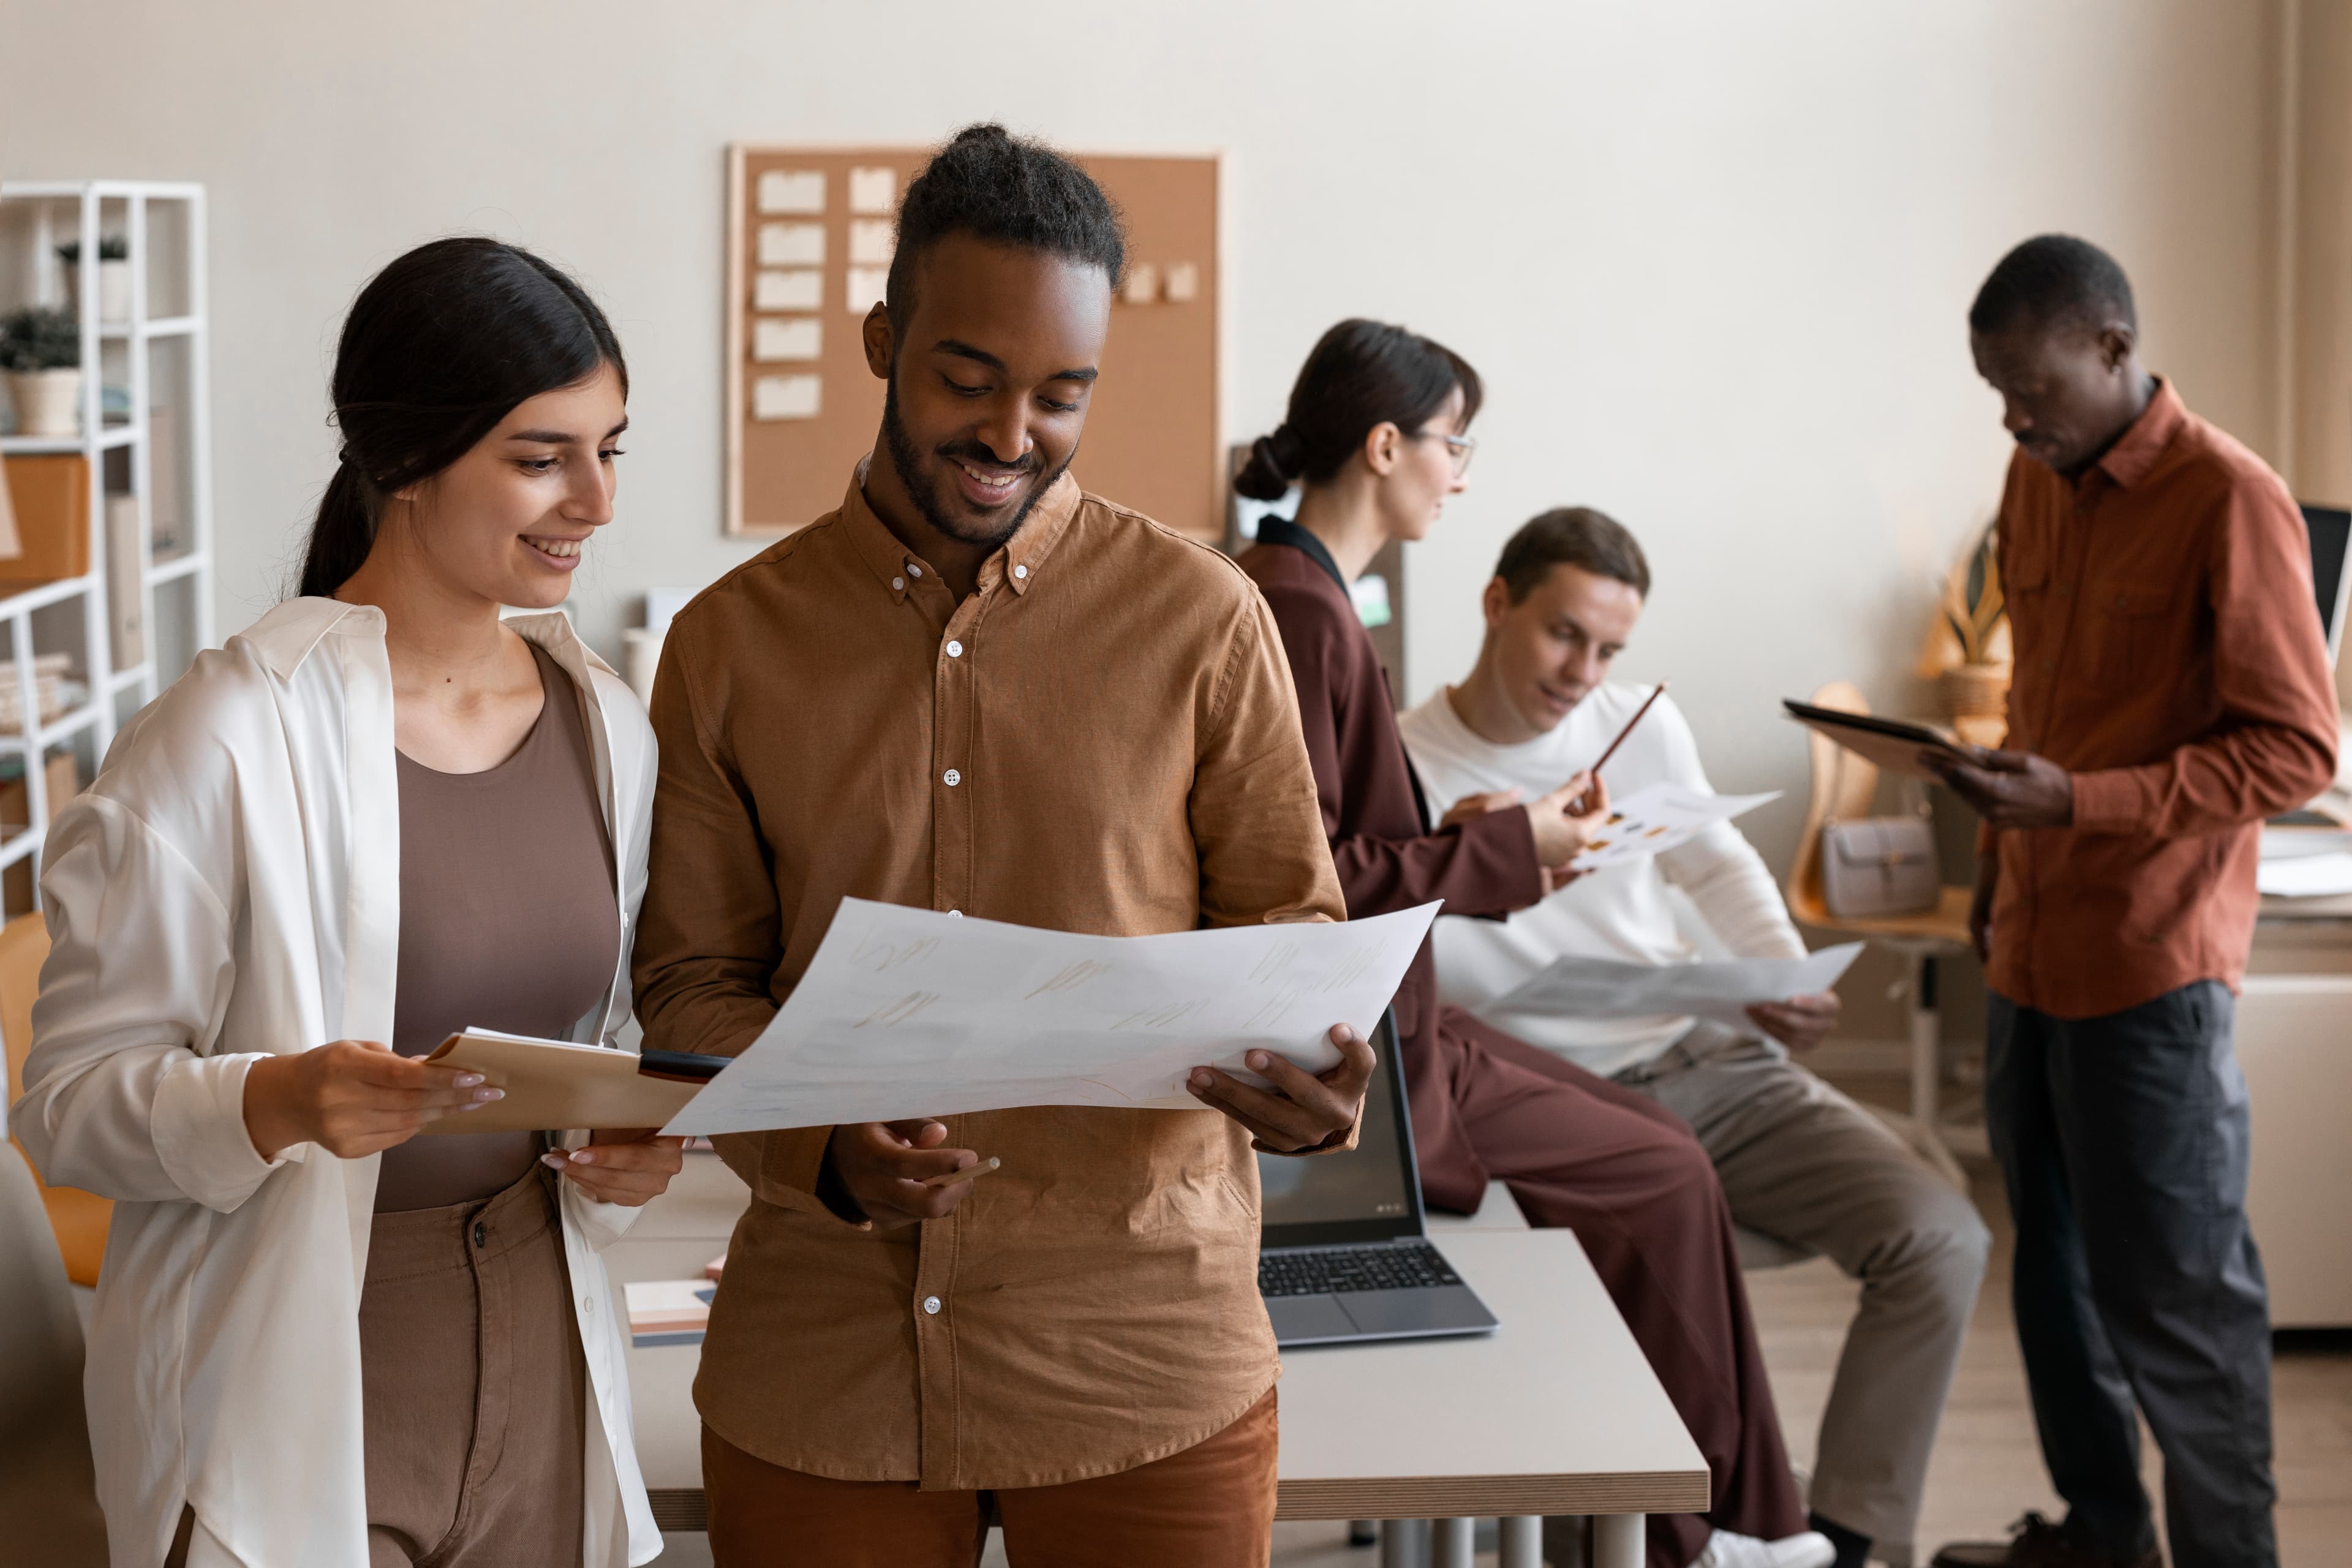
x,y
351,1097
628,1165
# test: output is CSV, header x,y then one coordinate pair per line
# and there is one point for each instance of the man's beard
x,y
909,461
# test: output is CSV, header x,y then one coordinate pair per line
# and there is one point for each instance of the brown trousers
x,y
1626,1174
473,1388
1209,1506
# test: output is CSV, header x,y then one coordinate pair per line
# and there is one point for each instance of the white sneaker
x,y
1729,1549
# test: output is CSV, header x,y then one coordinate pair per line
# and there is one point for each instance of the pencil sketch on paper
x,y
905,1012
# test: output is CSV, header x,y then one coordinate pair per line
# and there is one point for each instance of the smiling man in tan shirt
x,y
975,690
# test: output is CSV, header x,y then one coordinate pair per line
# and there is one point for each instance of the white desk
x,y
1556,1412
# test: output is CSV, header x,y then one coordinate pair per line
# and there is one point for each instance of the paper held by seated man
x,y
909,1012
1579,986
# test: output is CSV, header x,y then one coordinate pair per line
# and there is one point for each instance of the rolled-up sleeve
x,y
125,1095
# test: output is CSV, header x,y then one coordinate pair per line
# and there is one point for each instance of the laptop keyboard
x,y
1312,1271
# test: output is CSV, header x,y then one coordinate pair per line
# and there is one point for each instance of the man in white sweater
x,y
1798,1161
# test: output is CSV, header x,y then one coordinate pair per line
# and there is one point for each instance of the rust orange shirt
x,y
1103,737
2169,657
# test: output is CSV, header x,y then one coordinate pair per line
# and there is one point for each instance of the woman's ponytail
x,y
342,536
1273,465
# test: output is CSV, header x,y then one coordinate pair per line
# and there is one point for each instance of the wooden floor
x,y
1987,1470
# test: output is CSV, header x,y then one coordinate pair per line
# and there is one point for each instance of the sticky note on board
x,y
870,242
1142,284
872,190
796,337
801,289
867,287
1183,282
786,396
792,191
791,245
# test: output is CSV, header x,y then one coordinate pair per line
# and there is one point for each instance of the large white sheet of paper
x,y
906,1013
1720,989
1653,820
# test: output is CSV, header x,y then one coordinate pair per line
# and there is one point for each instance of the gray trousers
x,y
2124,1141
1803,1164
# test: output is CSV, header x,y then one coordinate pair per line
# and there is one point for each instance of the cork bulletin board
x,y
809,239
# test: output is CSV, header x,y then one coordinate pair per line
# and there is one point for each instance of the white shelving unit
x,y
163,225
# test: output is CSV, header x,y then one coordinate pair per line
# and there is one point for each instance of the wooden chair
x,y
1844,784
79,1218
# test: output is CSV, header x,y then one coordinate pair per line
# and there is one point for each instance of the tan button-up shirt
x,y
2169,657
1103,737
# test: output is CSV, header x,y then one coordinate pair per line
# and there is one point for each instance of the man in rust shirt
x,y
975,690
2172,689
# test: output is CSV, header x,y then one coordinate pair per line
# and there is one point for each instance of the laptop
x,y
1342,1253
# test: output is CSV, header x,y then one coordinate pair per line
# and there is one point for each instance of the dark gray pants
x,y
2123,1140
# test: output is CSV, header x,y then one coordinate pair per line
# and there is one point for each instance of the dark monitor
x,y
1372,1193
2330,529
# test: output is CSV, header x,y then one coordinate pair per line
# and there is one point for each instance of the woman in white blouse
x,y
379,813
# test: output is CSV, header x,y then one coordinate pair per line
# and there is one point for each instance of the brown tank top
x,y
508,920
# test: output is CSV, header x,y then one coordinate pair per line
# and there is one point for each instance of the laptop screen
x,y
1372,1193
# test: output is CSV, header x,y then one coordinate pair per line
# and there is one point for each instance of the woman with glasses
x,y
1376,437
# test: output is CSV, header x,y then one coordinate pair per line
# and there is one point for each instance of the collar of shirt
x,y
1018,562
2135,453
1282,531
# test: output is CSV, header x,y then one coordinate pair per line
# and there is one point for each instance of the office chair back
x,y
1844,786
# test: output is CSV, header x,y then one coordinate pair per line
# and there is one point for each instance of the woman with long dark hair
x,y
379,815
1378,437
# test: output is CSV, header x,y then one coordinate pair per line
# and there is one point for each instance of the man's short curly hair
x,y
2053,280
996,187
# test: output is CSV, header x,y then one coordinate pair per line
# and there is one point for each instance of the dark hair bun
x,y
1273,462
986,130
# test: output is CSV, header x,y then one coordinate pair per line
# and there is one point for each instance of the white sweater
x,y
1620,912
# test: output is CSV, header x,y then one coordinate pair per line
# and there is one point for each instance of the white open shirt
x,y
230,888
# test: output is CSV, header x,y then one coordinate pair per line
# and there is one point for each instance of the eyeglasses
x,y
1460,448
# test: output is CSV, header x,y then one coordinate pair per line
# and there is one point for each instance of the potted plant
x,y
1976,688
114,275
41,350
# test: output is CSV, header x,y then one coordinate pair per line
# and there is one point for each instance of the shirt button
x,y
588,1305
1021,571
953,778
956,913
913,570
955,649
932,1305
481,1234
898,584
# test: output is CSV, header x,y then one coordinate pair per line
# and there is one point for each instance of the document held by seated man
x,y
909,1012
1574,986
1658,817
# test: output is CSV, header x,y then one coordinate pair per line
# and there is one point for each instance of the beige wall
x,y
1712,259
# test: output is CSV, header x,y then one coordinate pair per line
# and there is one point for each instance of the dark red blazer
x,y
1387,857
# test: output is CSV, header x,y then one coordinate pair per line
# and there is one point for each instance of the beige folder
x,y
554,1084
